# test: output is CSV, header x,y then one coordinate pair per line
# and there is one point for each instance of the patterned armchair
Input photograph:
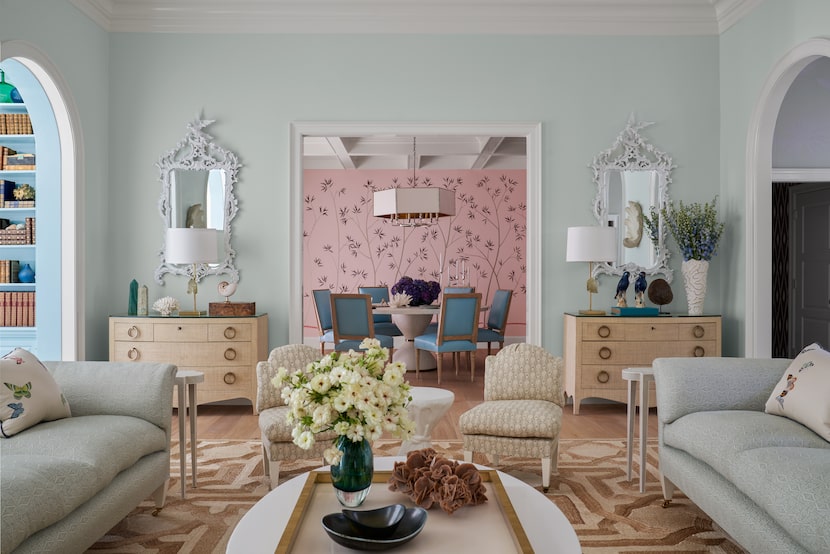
x,y
277,443
522,410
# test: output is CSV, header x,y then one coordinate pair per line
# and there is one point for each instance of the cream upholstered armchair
x,y
522,410
277,443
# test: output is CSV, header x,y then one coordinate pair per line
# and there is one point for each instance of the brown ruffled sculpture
x,y
432,480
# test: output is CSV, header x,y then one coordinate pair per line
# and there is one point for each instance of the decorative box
x,y
231,308
630,311
19,162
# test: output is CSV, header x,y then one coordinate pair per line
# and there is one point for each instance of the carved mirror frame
x,y
196,151
632,152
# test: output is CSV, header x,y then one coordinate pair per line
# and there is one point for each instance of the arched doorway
x,y
70,332
758,275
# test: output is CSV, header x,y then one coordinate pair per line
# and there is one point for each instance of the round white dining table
x,y
260,529
412,321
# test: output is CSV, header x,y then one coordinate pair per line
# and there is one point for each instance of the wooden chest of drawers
x,y
597,349
225,349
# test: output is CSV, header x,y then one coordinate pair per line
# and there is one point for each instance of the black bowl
x,y
379,523
343,531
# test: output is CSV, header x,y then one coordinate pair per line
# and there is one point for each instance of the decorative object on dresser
x,y
195,247
591,244
659,292
597,349
225,349
227,307
632,179
697,231
622,289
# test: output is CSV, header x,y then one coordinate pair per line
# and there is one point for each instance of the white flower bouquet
x,y
356,394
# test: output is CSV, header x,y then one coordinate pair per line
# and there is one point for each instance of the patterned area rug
x,y
607,511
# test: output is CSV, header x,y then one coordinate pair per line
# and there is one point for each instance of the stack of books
x,y
9,270
15,124
17,309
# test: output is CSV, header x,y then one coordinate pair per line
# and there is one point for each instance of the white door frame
x,y
758,232
72,177
532,132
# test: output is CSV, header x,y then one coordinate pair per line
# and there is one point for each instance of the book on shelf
x,y
17,309
15,124
9,270
18,204
30,230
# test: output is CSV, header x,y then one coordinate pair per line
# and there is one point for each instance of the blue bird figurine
x,y
622,287
640,286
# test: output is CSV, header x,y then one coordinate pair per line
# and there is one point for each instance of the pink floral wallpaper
x,y
345,246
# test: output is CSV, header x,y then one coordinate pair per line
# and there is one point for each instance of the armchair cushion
x,y
803,392
513,418
28,394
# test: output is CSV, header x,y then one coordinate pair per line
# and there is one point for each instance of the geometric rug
x,y
607,511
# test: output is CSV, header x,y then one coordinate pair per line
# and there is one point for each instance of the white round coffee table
x,y
261,528
428,405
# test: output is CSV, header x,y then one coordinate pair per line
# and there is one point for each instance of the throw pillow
x,y
28,393
803,393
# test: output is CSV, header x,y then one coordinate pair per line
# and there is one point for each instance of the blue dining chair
x,y
496,320
351,317
457,332
459,290
322,306
383,322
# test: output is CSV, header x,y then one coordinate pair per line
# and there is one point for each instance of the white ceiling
x,y
540,17
608,17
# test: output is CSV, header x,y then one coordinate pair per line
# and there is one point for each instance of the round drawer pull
x,y
230,333
603,376
604,331
698,331
699,352
230,354
604,352
229,378
133,332
133,354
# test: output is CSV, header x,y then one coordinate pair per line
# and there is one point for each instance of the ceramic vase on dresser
x,y
694,279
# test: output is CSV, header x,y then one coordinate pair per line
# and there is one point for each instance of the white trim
x,y
546,17
800,175
72,179
533,135
758,278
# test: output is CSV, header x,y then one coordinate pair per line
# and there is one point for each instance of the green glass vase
x,y
352,476
5,89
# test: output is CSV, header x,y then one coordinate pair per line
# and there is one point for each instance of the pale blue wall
x,y
748,53
136,92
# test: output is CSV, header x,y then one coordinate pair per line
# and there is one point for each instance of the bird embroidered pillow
x,y
28,393
803,393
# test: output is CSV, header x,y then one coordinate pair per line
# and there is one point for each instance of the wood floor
x,y
595,421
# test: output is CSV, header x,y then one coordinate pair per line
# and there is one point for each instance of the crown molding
x,y
538,17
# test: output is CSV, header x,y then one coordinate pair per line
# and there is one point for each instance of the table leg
x,y
643,430
632,392
182,449
192,410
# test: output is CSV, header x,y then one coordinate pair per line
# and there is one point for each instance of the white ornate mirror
x,y
197,179
632,179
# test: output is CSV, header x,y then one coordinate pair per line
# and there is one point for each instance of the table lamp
x,y
591,244
192,246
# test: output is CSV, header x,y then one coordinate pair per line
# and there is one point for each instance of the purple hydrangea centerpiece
x,y
420,291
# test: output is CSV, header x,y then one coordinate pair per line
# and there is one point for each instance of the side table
x,y
428,405
643,375
186,381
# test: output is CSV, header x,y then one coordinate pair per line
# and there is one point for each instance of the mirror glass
x,y
632,179
197,180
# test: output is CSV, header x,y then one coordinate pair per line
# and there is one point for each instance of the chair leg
x,y
274,471
440,363
455,357
471,363
545,474
488,349
159,496
668,490
418,365
323,348
501,346
468,456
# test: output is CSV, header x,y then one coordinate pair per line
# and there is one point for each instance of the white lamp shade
x,y
191,246
592,244
414,202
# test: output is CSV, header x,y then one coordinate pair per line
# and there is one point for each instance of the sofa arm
x,y
687,385
136,389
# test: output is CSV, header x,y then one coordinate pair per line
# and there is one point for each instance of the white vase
x,y
694,278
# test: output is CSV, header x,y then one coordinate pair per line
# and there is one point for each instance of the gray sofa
x,y
65,483
764,479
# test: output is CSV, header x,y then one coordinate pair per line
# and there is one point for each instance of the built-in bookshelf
x,y
18,214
